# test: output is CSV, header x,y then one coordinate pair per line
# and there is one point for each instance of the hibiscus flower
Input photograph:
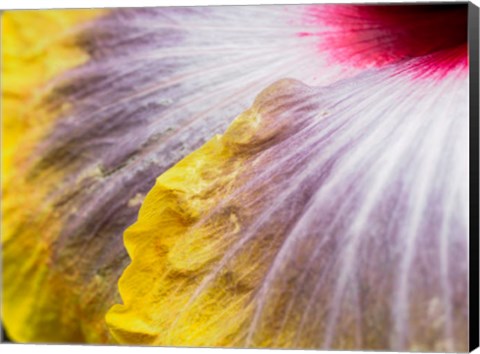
x,y
247,176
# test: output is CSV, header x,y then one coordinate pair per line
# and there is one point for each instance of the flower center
x,y
374,36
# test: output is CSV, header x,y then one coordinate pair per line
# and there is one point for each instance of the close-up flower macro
x,y
262,176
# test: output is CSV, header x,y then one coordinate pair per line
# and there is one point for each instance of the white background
x,y
78,349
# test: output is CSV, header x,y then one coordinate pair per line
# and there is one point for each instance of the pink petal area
x,y
373,36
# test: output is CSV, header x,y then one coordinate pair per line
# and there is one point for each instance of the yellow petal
x,y
36,47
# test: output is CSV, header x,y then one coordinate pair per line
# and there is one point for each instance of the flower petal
x,y
157,85
332,217
35,48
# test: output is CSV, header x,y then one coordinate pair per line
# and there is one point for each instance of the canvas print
x,y
268,176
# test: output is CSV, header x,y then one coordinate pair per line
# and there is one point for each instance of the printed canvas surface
x,y
237,176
